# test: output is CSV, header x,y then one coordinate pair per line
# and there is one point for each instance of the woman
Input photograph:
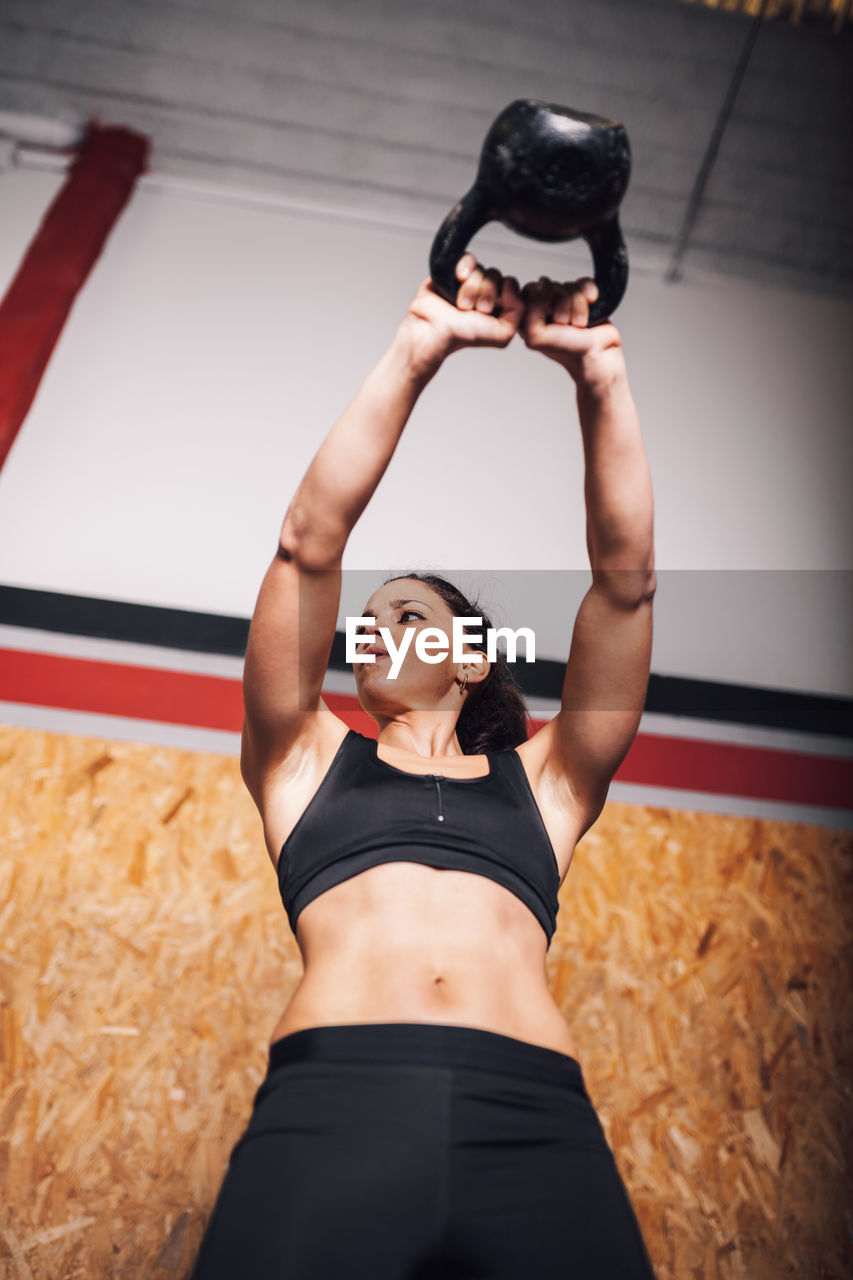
x,y
424,1113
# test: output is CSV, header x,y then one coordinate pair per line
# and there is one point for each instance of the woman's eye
x,y
362,631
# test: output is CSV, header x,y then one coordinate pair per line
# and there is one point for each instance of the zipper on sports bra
x,y
437,780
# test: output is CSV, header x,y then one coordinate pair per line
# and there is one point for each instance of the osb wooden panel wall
x,y
703,963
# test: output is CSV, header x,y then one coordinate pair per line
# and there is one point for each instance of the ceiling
x,y
740,130
829,14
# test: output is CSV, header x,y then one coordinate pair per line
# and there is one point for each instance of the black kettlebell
x,y
549,173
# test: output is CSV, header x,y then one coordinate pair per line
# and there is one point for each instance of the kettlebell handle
x,y
472,212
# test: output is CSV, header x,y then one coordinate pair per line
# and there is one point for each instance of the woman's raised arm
x,y
607,672
294,618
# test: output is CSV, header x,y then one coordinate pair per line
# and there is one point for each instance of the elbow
x,y
287,547
292,535
650,586
627,586
641,586
310,549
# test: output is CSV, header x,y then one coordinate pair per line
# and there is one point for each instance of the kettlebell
x,y
552,174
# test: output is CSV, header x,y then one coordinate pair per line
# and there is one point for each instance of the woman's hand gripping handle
x,y
488,313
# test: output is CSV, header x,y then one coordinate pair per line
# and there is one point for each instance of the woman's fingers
x,y
480,289
561,307
551,317
571,302
556,323
546,301
583,293
532,310
465,266
469,290
537,297
489,308
551,303
511,302
489,291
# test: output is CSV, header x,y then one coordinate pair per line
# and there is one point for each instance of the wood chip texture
x,y
703,964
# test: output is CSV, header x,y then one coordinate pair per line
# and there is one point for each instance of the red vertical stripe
x,y
57,263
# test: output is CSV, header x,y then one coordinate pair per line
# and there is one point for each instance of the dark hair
x,y
494,714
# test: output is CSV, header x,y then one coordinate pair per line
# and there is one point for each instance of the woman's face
x,y
401,605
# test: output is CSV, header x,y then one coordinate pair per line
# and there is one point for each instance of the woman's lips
x,y
377,653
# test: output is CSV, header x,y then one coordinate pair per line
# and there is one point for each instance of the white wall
x,y
218,339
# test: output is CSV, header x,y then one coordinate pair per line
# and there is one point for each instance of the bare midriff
x,y
404,942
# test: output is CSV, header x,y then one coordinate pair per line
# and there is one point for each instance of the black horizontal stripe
x,y
197,632
166,628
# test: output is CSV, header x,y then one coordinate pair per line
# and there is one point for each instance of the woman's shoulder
x,y
307,754
288,787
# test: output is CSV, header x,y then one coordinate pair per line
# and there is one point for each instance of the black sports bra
x,y
366,812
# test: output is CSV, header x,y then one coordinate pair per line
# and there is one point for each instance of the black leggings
x,y
412,1151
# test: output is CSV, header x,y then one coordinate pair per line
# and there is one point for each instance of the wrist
x,y
598,373
420,355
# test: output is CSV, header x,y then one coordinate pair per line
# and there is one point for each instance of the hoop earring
x,y
462,683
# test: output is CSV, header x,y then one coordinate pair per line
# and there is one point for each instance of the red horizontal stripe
x,y
731,769
113,689
216,702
